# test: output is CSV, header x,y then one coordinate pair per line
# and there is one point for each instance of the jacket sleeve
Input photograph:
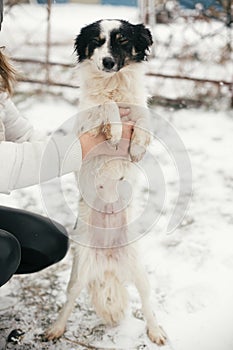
x,y
17,128
29,163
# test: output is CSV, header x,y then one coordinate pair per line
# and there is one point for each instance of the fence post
x,y
231,90
48,41
142,5
147,15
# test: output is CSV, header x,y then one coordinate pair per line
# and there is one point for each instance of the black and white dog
x,y
110,54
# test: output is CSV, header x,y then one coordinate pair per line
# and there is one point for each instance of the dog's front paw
x,y
136,152
112,132
157,335
112,126
140,141
54,332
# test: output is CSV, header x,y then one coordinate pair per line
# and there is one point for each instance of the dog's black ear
x,y
81,46
143,40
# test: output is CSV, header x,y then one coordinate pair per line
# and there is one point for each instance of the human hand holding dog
x,y
89,142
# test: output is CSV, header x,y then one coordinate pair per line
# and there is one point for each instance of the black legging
x,y
28,242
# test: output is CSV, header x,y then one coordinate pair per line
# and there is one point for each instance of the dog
x,y
110,55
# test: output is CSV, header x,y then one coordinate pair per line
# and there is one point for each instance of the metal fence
x,y
191,58
192,51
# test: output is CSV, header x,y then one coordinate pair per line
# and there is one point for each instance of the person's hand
x,y
89,143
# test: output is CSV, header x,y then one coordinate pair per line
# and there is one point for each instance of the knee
x,y
10,246
48,247
61,242
10,255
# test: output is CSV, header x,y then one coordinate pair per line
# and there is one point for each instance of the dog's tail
x,y
109,298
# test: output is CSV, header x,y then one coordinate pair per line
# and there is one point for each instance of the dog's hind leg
x,y
154,331
74,288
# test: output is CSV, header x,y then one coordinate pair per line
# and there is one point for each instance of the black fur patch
x,y
85,42
127,43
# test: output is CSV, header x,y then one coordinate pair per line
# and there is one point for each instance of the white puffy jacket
x,y
25,161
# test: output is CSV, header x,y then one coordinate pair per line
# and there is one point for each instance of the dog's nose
x,y
108,62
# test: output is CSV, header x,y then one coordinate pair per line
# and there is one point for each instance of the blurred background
x,y
192,53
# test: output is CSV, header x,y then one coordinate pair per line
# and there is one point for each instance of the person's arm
x,y
17,128
23,159
29,163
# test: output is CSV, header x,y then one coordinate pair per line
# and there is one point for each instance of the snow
x,y
190,270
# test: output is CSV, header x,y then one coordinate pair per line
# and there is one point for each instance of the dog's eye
x,y
96,40
122,39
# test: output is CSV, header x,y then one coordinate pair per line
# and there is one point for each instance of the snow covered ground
x,y
190,270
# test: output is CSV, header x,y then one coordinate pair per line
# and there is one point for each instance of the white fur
x,y
108,261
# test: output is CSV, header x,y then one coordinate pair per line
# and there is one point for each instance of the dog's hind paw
x,y
157,335
54,332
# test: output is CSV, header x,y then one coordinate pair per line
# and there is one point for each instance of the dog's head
x,y
113,44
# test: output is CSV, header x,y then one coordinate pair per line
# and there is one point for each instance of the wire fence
x,y
191,58
192,50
